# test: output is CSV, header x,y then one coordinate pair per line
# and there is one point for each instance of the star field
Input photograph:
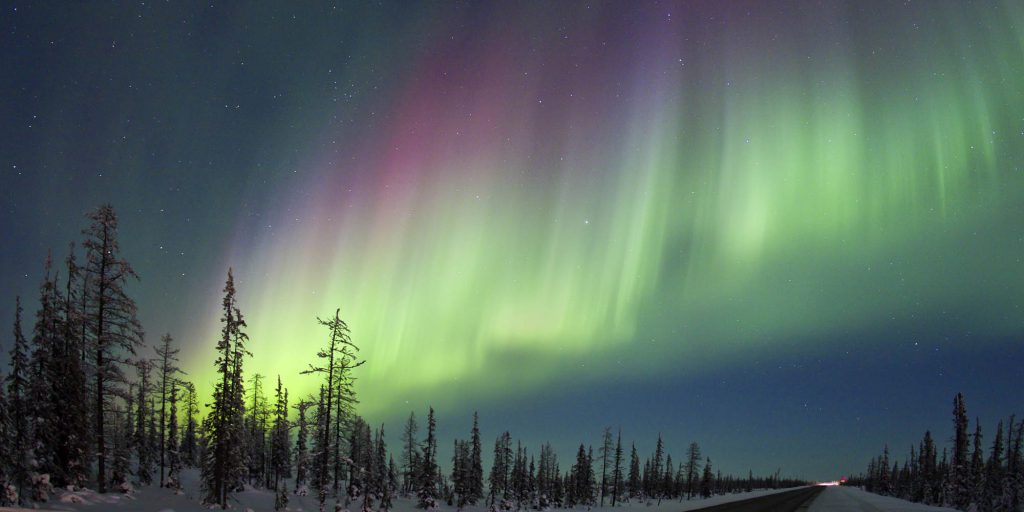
x,y
790,232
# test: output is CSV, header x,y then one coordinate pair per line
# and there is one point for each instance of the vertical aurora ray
x,y
722,182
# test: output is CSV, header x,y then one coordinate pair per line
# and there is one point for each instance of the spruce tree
x,y
120,456
707,480
189,438
409,451
223,463
958,491
69,392
5,449
428,473
280,453
167,359
171,447
46,337
977,467
141,442
392,485
301,445
475,487
634,474
667,479
17,400
994,472
692,469
500,467
606,447
653,490
110,321
617,470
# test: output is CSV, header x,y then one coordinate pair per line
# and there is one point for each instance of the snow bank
x,y
848,499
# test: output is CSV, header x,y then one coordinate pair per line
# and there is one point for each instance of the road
x,y
788,501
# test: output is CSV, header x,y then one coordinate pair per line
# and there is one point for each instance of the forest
x,y
86,404
970,477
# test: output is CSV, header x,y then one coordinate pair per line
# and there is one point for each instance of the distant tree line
x,y
970,477
84,405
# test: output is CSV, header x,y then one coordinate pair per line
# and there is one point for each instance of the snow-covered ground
x,y
848,499
154,499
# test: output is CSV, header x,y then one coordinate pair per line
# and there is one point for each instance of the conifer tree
x,y
340,360
189,438
958,491
143,448
17,400
256,431
69,391
977,468
171,448
409,451
656,469
381,479
5,450
110,322
707,480
223,464
121,441
994,472
617,470
392,484
428,473
167,359
692,469
605,452
43,376
634,474
301,445
1013,481
475,486
666,479
280,454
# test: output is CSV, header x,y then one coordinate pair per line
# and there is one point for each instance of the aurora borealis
x,y
724,221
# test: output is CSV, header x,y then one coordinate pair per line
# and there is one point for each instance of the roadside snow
x,y
849,499
155,499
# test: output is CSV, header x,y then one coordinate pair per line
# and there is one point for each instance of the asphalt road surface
x,y
788,501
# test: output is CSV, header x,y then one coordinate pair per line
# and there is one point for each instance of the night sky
x,y
788,231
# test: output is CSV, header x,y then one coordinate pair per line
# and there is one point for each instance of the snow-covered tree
x,y
428,474
167,372
606,454
46,337
617,470
410,451
189,438
692,469
634,483
143,447
6,489
109,316
302,445
500,467
171,448
224,465
69,393
280,452
18,408
475,476
339,360
958,489
706,482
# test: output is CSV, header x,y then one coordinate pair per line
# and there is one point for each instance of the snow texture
x,y
849,499
154,499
